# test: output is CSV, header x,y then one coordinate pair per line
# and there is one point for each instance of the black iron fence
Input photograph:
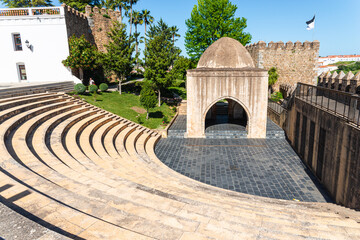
x,y
342,104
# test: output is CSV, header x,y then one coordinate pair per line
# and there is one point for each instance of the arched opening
x,y
226,117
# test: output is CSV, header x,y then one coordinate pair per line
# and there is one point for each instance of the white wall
x,y
48,36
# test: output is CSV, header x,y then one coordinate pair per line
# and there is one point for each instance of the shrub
x,y
165,119
276,96
273,76
79,88
93,88
103,87
148,99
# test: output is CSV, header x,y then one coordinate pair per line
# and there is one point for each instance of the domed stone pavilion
x,y
226,78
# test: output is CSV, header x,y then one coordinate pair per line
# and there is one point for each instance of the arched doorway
x,y
226,116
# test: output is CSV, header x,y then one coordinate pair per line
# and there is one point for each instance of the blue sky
x,y
336,25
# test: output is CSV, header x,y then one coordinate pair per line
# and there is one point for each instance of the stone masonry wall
x,y
330,147
295,62
100,23
94,24
77,24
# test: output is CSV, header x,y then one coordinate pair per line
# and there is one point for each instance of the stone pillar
x,y
354,83
332,80
327,79
346,81
337,80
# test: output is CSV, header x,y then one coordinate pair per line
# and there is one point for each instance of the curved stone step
x,y
27,177
152,212
12,99
135,191
68,191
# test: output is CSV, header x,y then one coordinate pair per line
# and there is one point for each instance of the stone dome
x,y
226,53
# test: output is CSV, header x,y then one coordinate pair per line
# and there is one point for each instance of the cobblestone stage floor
x,y
263,167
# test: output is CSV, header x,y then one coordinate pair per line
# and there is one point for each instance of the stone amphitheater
x,y
84,173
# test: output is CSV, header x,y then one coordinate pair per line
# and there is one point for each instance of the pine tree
x,y
147,98
119,58
159,55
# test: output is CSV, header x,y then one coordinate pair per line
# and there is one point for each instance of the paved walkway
x,y
335,106
263,167
223,130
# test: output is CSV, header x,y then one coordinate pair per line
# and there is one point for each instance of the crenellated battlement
x,y
294,61
261,45
101,13
340,81
95,23
73,12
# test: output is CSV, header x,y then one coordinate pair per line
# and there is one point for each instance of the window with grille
x,y
17,42
22,72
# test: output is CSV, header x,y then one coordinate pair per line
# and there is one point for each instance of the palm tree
x,y
174,30
121,4
131,3
148,19
116,5
137,20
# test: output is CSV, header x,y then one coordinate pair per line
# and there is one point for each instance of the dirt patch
x,y
139,110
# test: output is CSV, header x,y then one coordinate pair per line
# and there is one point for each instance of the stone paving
x,y
223,130
263,167
13,225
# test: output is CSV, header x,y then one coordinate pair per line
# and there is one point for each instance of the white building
x,y
33,42
323,61
327,68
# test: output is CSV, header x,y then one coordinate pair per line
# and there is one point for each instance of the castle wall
x,y
329,146
295,62
100,23
77,24
94,24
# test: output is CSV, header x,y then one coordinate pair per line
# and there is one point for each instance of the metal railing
x,y
276,107
342,104
11,12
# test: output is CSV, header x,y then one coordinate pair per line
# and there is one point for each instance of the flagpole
x,y
314,29
313,35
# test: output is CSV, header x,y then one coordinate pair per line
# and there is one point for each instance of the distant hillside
x,y
346,67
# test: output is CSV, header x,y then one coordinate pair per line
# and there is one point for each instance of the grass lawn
x,y
128,106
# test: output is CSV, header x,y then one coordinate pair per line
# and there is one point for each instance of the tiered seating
x,y
95,175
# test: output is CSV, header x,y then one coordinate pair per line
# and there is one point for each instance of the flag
x,y
311,24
